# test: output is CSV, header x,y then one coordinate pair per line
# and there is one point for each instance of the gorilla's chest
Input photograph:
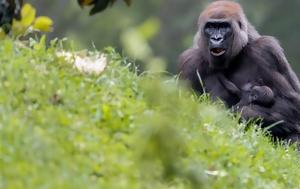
x,y
245,71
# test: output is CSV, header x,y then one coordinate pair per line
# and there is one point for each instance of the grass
x,y
63,129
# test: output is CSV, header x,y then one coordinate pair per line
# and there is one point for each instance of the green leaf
x,y
28,15
43,24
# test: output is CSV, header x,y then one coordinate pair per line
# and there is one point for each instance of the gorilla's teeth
x,y
218,52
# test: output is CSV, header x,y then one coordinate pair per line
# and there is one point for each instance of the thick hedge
x,y
60,128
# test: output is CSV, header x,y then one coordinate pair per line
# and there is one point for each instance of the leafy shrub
x,y
60,128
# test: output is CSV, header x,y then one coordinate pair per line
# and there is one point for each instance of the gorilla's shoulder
x,y
191,60
267,50
192,57
267,43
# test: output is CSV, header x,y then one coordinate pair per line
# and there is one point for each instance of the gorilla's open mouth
x,y
217,51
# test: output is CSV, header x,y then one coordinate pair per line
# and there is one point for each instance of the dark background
x,y
157,31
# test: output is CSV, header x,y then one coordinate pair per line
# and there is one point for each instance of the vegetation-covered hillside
x,y
60,128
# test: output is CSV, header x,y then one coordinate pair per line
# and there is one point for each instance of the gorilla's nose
x,y
216,39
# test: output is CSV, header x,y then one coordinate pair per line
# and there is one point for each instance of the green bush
x,y
63,129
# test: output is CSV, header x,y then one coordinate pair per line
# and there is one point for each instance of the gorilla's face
x,y
219,37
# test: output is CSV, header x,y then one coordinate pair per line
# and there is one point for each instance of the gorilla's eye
x,y
210,26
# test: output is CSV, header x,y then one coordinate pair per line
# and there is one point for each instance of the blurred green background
x,y
155,32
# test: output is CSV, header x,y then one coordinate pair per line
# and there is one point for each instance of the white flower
x,y
86,64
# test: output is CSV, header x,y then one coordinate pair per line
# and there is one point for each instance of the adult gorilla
x,y
228,45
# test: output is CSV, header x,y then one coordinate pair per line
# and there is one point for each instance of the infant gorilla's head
x,y
261,94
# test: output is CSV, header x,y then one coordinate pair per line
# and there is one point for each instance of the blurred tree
x,y
282,21
177,20
99,5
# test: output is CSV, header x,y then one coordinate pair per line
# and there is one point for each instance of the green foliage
x,y
178,24
63,129
29,22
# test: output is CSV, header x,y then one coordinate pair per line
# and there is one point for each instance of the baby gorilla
x,y
256,97
251,93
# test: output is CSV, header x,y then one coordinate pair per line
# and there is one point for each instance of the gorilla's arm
x,y
193,68
276,116
281,65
